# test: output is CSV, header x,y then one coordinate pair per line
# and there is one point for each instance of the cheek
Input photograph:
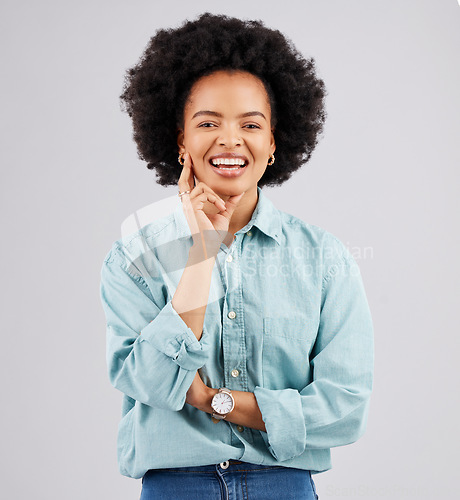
x,y
196,145
262,151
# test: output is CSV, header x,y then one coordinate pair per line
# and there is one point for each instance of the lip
x,y
229,173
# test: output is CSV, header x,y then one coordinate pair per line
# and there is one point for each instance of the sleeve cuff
x,y
283,416
169,334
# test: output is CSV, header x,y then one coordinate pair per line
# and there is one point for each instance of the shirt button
x,y
240,428
249,233
231,314
235,373
225,465
229,258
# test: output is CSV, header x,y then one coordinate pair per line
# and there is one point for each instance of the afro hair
x,y
156,89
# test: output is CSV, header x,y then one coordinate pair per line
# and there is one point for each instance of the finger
x,y
186,183
232,203
200,199
186,178
201,187
191,178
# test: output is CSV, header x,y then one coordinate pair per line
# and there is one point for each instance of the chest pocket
x,y
287,343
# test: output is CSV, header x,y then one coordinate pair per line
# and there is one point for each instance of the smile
x,y
227,163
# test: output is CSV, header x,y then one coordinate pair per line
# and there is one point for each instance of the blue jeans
x,y
229,480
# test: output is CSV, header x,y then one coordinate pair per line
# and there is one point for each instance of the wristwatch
x,y
222,403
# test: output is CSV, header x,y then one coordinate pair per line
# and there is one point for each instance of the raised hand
x,y
208,231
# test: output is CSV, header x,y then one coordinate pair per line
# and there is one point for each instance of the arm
x,y
155,363
246,412
192,293
152,354
332,409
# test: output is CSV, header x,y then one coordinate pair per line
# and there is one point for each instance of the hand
x,y
197,391
207,230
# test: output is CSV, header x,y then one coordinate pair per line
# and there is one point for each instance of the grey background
x,y
384,177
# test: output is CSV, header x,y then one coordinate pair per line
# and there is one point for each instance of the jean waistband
x,y
225,466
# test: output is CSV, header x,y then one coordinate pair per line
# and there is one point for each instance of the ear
x,y
180,140
272,142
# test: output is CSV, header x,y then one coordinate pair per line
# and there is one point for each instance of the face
x,y
227,117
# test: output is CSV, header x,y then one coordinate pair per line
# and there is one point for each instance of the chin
x,y
230,191
227,187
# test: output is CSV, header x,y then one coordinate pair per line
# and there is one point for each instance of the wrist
x,y
198,253
208,241
204,402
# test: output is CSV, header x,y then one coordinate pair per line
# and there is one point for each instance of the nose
x,y
230,137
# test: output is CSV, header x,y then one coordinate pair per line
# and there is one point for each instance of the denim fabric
x,y
230,480
287,319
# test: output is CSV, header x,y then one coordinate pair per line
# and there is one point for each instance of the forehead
x,y
223,87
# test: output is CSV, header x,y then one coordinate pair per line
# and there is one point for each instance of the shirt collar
x,y
266,217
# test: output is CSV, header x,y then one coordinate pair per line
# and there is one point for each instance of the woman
x,y
239,335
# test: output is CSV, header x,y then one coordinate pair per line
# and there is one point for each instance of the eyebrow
x,y
219,115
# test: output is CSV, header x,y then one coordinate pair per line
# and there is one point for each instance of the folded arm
x,y
332,410
152,355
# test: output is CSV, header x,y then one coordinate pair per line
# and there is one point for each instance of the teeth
x,y
227,161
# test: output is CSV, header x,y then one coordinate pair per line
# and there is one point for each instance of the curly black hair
x,y
156,89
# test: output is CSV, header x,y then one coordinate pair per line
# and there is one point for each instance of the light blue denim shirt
x,y
287,319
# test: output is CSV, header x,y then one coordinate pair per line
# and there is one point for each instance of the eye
x,y
252,126
206,125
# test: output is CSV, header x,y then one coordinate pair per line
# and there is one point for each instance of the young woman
x,y
240,335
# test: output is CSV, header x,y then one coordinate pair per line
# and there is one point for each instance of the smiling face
x,y
227,117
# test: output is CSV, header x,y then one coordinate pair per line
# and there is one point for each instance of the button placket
x,y
233,337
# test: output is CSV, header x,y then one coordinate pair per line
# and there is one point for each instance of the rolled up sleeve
x,y
332,410
176,340
152,355
284,420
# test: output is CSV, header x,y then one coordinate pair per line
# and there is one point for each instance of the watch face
x,y
222,403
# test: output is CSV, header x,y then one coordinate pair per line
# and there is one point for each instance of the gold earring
x,y
180,158
272,160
